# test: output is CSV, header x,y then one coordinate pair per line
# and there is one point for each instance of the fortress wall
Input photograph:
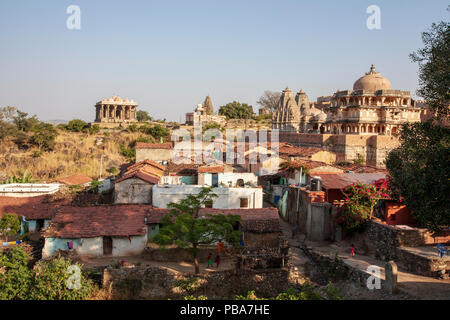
x,y
373,148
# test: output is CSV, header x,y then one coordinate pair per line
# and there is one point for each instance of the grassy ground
x,y
74,153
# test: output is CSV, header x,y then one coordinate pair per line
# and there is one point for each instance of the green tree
x,y
129,153
94,129
157,131
77,125
113,170
236,110
51,279
421,174
434,68
9,225
23,122
143,116
15,276
44,135
184,228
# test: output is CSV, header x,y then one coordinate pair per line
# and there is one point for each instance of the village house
x,y
227,198
112,230
135,184
35,213
224,175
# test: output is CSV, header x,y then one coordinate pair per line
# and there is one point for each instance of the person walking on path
x,y
210,262
295,230
220,247
217,261
352,250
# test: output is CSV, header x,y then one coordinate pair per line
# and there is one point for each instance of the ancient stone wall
x,y
374,148
157,283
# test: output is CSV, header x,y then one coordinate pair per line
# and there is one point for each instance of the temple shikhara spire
x,y
372,107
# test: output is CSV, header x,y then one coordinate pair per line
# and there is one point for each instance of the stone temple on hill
x,y
116,110
372,108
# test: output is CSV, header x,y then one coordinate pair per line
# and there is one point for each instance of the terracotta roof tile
x,y
32,208
212,169
145,163
88,222
77,179
140,174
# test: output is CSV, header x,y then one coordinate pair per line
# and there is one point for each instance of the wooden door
x,y
107,246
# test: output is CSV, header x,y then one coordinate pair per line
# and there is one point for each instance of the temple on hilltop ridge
x,y
372,108
116,110
204,113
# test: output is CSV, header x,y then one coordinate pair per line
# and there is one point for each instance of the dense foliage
x,y
434,68
305,292
421,173
26,131
143,116
48,280
9,225
186,229
358,206
236,110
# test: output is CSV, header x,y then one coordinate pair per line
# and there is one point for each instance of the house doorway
x,y
107,246
39,225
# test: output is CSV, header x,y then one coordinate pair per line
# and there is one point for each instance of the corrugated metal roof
x,y
342,180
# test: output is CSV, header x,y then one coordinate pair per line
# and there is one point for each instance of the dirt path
x,y
408,283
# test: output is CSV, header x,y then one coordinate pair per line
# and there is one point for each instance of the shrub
x,y
52,281
15,277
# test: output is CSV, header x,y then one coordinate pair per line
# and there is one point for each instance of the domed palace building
x,y
371,108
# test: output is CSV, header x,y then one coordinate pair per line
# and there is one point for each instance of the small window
x,y
244,202
208,204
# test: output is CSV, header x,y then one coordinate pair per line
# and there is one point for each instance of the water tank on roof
x,y
316,184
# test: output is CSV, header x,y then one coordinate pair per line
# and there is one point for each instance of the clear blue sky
x,y
168,55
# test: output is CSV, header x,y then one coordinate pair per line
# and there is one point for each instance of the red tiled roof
x,y
144,145
140,174
144,163
32,208
77,179
255,220
182,169
88,222
213,169
146,170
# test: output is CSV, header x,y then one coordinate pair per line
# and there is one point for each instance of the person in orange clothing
x,y
220,247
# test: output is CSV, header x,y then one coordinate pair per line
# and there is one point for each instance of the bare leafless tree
x,y
269,100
